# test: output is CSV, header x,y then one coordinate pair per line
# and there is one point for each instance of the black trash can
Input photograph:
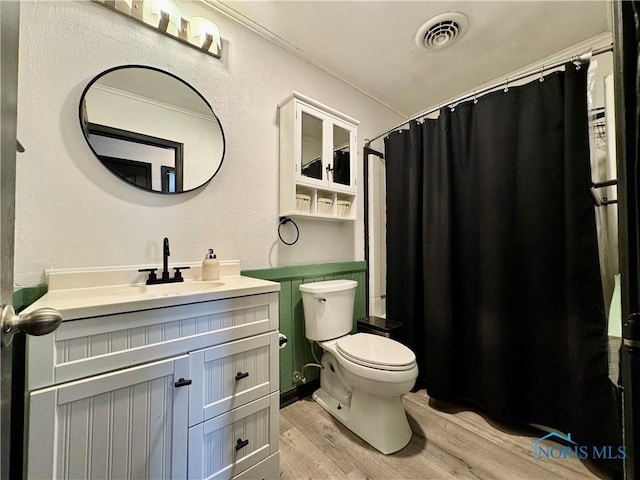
x,y
379,326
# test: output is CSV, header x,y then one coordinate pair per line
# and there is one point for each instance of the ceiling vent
x,y
442,31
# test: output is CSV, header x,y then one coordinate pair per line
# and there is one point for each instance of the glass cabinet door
x,y
311,152
341,169
326,149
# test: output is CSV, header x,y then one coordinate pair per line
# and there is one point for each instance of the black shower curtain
x,y
492,260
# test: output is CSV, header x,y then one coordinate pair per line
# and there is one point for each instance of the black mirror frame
x,y
83,121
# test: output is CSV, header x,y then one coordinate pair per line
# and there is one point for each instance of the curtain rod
x,y
577,59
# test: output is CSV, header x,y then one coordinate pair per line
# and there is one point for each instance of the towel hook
x,y
284,221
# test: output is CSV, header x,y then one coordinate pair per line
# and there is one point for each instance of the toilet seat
x,y
375,351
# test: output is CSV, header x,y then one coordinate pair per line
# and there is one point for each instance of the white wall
x,y
72,212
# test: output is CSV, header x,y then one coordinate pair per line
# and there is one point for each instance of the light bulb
x,y
162,14
205,34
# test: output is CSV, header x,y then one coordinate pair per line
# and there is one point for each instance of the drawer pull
x,y
241,444
241,375
182,382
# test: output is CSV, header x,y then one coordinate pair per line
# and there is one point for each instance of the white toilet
x,y
364,376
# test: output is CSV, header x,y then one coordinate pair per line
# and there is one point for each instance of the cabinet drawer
x,y
85,347
230,443
268,469
230,375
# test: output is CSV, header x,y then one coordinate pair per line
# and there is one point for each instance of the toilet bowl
x,y
364,376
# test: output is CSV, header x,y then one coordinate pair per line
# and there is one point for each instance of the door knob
x,y
39,322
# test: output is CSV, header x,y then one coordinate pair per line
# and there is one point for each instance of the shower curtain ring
x,y
576,62
452,107
475,99
506,84
541,74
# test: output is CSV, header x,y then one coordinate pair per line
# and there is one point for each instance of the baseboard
x,y
298,393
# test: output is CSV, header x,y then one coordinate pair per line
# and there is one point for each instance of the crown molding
x,y
255,27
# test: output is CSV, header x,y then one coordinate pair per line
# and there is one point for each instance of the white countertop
x,y
74,303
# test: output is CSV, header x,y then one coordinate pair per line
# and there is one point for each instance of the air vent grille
x,y
442,31
441,34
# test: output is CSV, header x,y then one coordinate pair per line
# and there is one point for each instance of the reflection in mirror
x,y
152,129
311,161
341,156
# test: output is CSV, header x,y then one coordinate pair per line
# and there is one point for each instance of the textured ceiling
x,y
372,44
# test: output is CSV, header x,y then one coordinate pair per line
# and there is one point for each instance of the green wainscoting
x,y
24,297
298,350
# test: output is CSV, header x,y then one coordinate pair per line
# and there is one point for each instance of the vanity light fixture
x,y
124,6
205,34
164,21
164,16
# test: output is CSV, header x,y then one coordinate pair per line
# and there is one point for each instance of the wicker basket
x,y
325,205
303,203
344,208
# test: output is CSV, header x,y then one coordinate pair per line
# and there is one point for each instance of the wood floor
x,y
448,442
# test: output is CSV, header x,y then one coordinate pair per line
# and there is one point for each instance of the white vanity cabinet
x,y
182,391
318,160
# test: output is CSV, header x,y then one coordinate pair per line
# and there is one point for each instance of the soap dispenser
x,y
210,267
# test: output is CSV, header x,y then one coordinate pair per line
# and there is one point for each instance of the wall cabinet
x,y
187,391
318,160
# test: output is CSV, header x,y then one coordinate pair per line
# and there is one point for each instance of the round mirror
x,y
151,129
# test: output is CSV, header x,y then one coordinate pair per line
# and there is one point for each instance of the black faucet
x,y
153,278
165,258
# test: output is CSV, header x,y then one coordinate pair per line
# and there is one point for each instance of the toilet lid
x,y
375,351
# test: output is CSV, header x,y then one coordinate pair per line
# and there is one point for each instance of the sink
x,y
166,289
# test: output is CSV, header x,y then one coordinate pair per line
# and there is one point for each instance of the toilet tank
x,y
328,308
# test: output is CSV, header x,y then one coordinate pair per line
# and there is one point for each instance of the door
x,y
626,70
342,161
41,321
325,150
130,423
9,19
311,146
